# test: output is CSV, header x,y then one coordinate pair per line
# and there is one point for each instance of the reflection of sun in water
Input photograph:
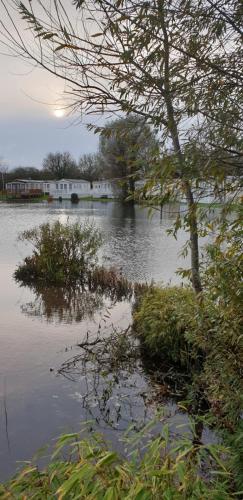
x,y
59,113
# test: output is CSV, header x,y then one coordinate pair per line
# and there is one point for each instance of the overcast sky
x,y
29,128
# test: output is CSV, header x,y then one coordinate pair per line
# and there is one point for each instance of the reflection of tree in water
x,y
169,212
117,390
114,389
75,303
63,304
111,386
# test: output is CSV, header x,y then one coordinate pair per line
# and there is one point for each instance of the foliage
x,y
62,253
163,320
23,173
204,331
127,146
223,341
235,441
165,470
223,267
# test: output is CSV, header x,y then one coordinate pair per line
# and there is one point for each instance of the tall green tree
x,y
127,146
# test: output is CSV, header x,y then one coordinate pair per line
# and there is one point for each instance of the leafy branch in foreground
x,y
158,469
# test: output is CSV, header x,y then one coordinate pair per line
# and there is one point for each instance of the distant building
x,y
204,192
27,188
62,188
84,189
105,188
65,187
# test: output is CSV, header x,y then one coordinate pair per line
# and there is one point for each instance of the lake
x,y
40,329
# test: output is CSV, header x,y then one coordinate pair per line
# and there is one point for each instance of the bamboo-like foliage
x,y
164,470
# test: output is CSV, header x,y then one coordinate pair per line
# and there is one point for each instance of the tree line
x,y
125,148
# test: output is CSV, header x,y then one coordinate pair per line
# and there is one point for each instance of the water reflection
x,y
118,389
111,385
80,302
63,305
34,337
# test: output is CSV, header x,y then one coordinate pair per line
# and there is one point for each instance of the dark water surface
x,y
39,330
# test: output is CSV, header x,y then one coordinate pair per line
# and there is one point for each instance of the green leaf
x,y
66,46
108,459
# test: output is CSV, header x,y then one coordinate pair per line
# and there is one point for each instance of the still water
x,y
40,329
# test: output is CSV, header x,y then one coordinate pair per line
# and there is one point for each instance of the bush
x,y
206,332
222,341
163,319
63,253
74,198
203,337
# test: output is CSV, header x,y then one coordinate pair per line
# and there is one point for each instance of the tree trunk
x,y
131,183
196,281
173,129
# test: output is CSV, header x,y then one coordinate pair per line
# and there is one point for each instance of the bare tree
x,y
89,166
59,165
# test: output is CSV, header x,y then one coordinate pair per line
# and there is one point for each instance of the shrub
x,y
222,341
200,336
163,319
63,253
74,198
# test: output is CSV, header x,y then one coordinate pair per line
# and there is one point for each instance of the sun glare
x,y
59,113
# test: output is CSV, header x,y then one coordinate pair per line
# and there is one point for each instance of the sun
x,y
59,113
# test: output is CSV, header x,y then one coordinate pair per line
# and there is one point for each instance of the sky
x,y
29,128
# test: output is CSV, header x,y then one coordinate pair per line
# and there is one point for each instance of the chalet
x,y
24,188
96,189
63,188
103,189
